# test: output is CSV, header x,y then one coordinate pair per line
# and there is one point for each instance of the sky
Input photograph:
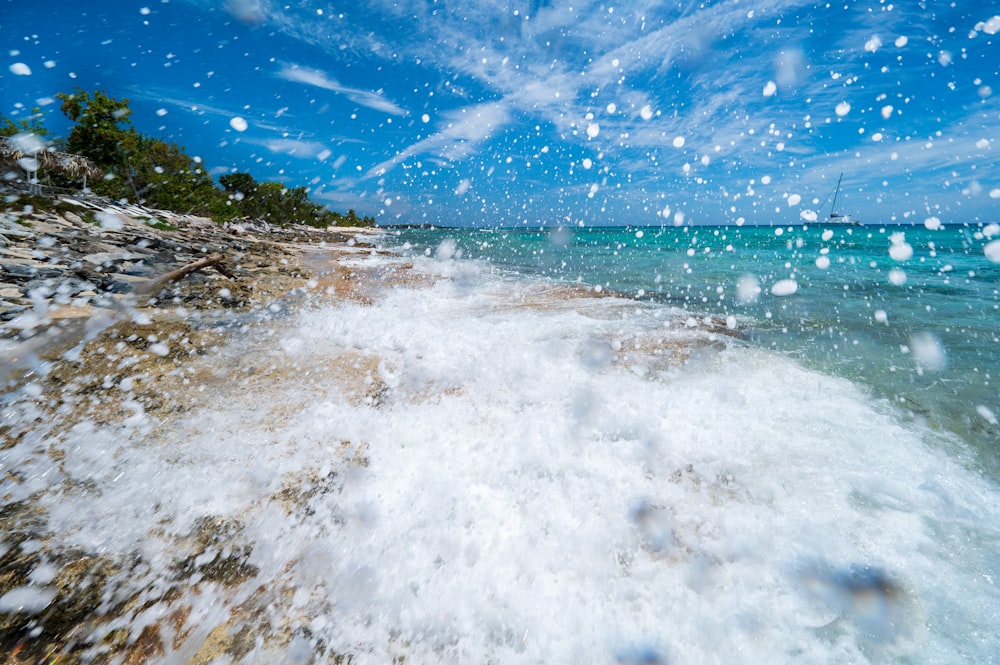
x,y
550,113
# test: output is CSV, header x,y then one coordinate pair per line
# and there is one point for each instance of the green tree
x,y
159,174
352,219
273,202
103,131
162,175
33,124
239,183
143,169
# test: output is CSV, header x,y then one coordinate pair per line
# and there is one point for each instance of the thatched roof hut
x,y
25,154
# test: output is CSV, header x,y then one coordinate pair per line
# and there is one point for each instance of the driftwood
x,y
83,330
153,286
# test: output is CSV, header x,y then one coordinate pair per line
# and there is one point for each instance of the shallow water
x,y
482,466
912,314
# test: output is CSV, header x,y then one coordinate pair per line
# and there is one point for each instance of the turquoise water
x,y
909,313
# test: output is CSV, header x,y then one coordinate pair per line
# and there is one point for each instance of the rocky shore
x,y
162,430
105,311
68,257
71,266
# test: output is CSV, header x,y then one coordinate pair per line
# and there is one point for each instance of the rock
x,y
105,258
19,253
16,233
30,269
122,283
73,218
9,311
71,312
71,265
220,552
66,287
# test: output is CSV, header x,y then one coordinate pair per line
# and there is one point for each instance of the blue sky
x,y
515,112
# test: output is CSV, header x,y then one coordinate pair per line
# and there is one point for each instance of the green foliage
x,y
161,225
352,219
238,182
30,125
159,174
103,131
277,204
140,168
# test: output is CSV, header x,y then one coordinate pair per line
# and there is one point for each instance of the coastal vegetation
x,y
159,174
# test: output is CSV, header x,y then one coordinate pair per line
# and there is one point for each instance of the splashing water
x,y
476,467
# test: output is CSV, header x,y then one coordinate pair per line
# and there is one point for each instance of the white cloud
x,y
164,96
700,69
297,148
248,11
462,131
321,79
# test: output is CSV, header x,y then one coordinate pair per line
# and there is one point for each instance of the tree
x,y
352,219
238,183
30,125
103,131
160,174
143,169
273,202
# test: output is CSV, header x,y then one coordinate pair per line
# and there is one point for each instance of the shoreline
x,y
136,299
115,327
65,267
100,383
219,485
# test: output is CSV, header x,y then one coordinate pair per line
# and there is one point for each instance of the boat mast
x,y
833,208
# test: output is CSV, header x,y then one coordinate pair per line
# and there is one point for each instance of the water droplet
x,y
784,287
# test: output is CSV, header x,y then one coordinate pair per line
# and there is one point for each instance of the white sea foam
x,y
549,478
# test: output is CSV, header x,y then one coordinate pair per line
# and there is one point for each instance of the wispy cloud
x,y
253,12
168,98
320,79
708,96
296,148
460,133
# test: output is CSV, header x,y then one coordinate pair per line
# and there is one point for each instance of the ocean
x,y
909,313
678,445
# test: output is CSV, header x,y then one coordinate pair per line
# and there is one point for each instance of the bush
x,y
159,174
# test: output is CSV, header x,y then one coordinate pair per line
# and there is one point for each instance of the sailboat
x,y
835,217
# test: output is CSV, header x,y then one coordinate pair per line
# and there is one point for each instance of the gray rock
x,y
12,232
29,269
17,253
9,310
108,258
65,287
73,218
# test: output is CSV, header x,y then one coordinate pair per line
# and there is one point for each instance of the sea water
x,y
608,446
910,313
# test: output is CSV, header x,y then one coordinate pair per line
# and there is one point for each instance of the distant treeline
x,y
159,174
